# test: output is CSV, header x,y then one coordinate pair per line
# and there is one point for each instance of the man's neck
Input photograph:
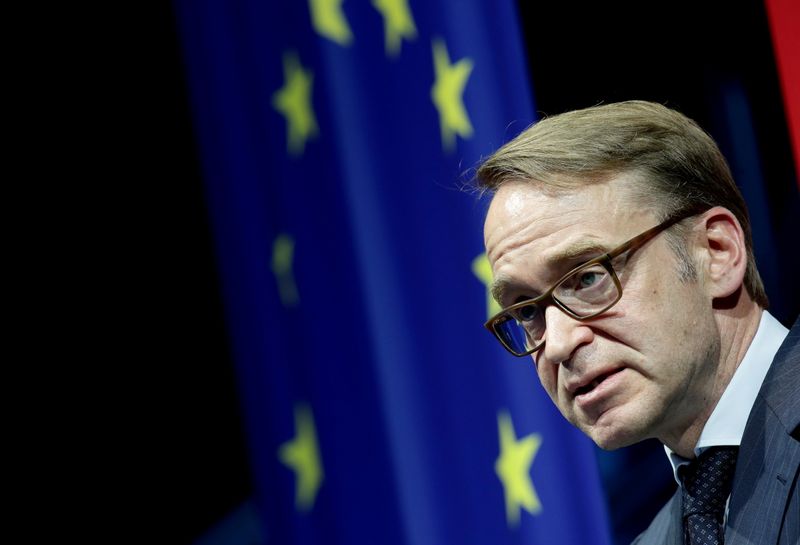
x,y
737,327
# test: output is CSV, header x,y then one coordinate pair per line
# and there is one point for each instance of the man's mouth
x,y
585,389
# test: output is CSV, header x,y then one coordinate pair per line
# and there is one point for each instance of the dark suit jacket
x,y
764,508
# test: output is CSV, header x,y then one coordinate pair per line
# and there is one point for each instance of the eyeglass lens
x,y
585,292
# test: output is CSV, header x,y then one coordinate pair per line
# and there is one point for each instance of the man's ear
x,y
722,241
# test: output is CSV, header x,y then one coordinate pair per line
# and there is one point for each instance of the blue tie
x,y
707,483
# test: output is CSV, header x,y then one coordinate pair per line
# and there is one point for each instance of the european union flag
x,y
335,138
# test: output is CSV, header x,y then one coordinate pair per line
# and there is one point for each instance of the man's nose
x,y
563,335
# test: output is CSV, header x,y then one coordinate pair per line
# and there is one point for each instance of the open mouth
x,y
595,383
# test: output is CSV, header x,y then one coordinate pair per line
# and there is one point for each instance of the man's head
x,y
576,186
676,164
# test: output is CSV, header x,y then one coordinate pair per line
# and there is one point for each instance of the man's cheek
x,y
549,379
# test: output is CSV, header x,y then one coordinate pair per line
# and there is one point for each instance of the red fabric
x,y
784,20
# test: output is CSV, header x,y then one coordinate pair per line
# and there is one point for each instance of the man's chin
x,y
621,425
613,443
613,435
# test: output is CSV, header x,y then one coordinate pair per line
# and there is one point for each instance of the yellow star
x,y
329,21
302,455
293,100
513,467
447,95
282,258
482,269
398,23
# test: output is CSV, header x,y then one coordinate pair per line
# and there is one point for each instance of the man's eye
x,y
527,313
589,278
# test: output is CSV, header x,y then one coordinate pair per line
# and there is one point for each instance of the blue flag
x,y
335,138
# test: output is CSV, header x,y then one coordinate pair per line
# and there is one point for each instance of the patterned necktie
x,y
706,485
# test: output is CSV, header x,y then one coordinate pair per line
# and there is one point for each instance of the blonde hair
x,y
676,165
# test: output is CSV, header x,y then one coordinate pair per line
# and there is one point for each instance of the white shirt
x,y
725,426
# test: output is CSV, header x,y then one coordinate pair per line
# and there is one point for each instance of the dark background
x,y
188,415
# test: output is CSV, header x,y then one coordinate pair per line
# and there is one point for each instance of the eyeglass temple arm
x,y
640,239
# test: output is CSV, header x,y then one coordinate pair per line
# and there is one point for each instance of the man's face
x,y
644,367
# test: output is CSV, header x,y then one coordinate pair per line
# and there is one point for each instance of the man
x,y
623,260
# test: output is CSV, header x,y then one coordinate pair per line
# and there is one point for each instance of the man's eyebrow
x,y
586,249
497,289
580,250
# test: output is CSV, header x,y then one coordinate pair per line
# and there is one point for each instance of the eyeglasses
x,y
586,291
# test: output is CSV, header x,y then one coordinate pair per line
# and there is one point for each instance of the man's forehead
x,y
524,199
557,259
626,184
522,188
552,231
519,207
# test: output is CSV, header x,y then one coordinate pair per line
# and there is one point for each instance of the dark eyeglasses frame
x,y
604,260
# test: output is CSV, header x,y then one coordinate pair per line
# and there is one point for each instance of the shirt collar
x,y
726,424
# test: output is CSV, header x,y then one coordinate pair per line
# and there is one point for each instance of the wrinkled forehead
x,y
521,211
626,187
522,200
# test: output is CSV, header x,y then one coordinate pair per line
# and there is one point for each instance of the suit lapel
x,y
769,456
667,526
675,530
